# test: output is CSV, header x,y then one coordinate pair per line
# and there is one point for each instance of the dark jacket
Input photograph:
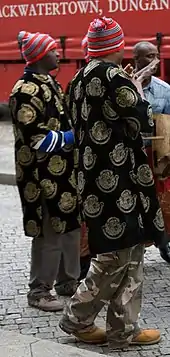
x,y
38,110
115,181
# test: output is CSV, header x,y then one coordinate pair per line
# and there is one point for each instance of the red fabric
x,y
163,192
105,36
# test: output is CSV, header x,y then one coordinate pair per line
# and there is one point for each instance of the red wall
x,y
72,20
10,73
141,21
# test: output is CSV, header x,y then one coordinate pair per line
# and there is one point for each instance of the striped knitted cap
x,y
104,36
35,46
22,35
84,45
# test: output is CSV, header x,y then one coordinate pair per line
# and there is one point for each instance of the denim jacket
x,y
157,93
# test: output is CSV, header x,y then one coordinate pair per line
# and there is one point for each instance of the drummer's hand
x,y
164,164
165,159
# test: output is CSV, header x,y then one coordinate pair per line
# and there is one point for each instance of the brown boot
x,y
46,303
146,337
95,336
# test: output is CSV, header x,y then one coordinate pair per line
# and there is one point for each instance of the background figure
x,y
45,162
85,256
116,184
157,93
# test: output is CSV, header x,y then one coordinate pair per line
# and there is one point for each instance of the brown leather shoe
x,y
146,337
46,303
95,336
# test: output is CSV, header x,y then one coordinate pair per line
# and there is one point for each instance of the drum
x,y
159,160
161,145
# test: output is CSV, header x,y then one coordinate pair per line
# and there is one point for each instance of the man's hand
x,y
138,86
147,71
129,69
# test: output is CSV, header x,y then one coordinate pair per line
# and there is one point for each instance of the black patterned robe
x,y
115,182
37,106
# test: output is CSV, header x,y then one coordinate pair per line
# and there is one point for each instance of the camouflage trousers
x,y
114,279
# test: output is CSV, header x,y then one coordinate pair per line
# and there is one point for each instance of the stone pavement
x,y
16,316
7,168
17,345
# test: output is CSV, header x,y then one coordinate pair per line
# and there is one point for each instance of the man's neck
x,y
38,69
110,59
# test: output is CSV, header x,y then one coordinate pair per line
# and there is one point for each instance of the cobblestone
x,y
15,315
6,145
14,273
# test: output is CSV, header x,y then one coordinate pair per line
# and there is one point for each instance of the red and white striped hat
x,y
35,46
105,36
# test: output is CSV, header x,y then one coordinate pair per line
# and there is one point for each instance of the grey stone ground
x,y
13,344
16,316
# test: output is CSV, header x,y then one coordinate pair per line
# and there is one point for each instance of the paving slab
x,y
7,165
16,345
52,349
15,351
7,338
16,316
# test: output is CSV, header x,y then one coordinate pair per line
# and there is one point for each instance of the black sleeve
x,y
128,103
